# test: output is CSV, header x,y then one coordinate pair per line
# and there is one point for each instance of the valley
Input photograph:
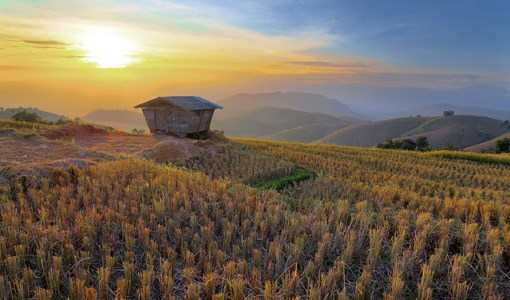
x,y
313,118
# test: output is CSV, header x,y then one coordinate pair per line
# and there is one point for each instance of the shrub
x,y
503,145
448,113
63,121
297,175
422,143
408,144
26,116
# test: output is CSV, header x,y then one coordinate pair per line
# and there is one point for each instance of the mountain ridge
x,y
307,102
274,123
459,131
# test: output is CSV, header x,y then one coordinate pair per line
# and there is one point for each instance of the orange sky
x,y
75,56
73,60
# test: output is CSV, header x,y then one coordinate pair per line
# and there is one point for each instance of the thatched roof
x,y
184,102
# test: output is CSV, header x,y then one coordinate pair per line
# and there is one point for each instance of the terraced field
x,y
370,224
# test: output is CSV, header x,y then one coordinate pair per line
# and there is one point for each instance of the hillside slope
x,y
438,109
280,123
459,131
373,133
307,102
455,131
120,119
489,145
307,133
7,113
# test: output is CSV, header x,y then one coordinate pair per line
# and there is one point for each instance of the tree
x,y
388,144
422,143
408,144
26,116
62,121
503,145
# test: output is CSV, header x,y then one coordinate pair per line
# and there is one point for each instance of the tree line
x,y
420,144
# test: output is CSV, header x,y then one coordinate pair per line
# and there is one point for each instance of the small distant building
x,y
179,115
448,113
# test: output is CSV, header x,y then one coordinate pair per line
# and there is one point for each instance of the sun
x,y
107,48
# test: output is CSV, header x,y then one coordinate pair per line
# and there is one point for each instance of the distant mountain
x,y
383,102
120,119
7,113
281,124
458,131
438,109
306,102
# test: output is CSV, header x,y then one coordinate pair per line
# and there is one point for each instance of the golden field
x,y
372,224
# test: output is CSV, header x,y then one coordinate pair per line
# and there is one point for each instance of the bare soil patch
x,y
82,145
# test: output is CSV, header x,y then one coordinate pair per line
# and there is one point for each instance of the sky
x,y
75,56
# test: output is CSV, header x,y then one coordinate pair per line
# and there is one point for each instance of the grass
x,y
374,224
502,159
23,126
298,174
134,230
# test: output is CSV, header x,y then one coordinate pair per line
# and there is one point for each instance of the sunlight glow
x,y
107,48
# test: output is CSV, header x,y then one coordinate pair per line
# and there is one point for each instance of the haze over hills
x,y
281,123
121,119
280,115
458,131
438,109
308,117
307,102
291,116
383,102
7,113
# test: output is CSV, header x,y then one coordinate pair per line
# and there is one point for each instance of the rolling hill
x,y
307,102
373,133
456,131
7,113
281,124
489,145
380,102
120,119
438,109
306,133
459,131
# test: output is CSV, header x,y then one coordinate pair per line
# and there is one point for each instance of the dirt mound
x,y
73,130
173,149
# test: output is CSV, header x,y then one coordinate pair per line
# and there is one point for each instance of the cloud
x,y
45,43
13,67
74,56
327,64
